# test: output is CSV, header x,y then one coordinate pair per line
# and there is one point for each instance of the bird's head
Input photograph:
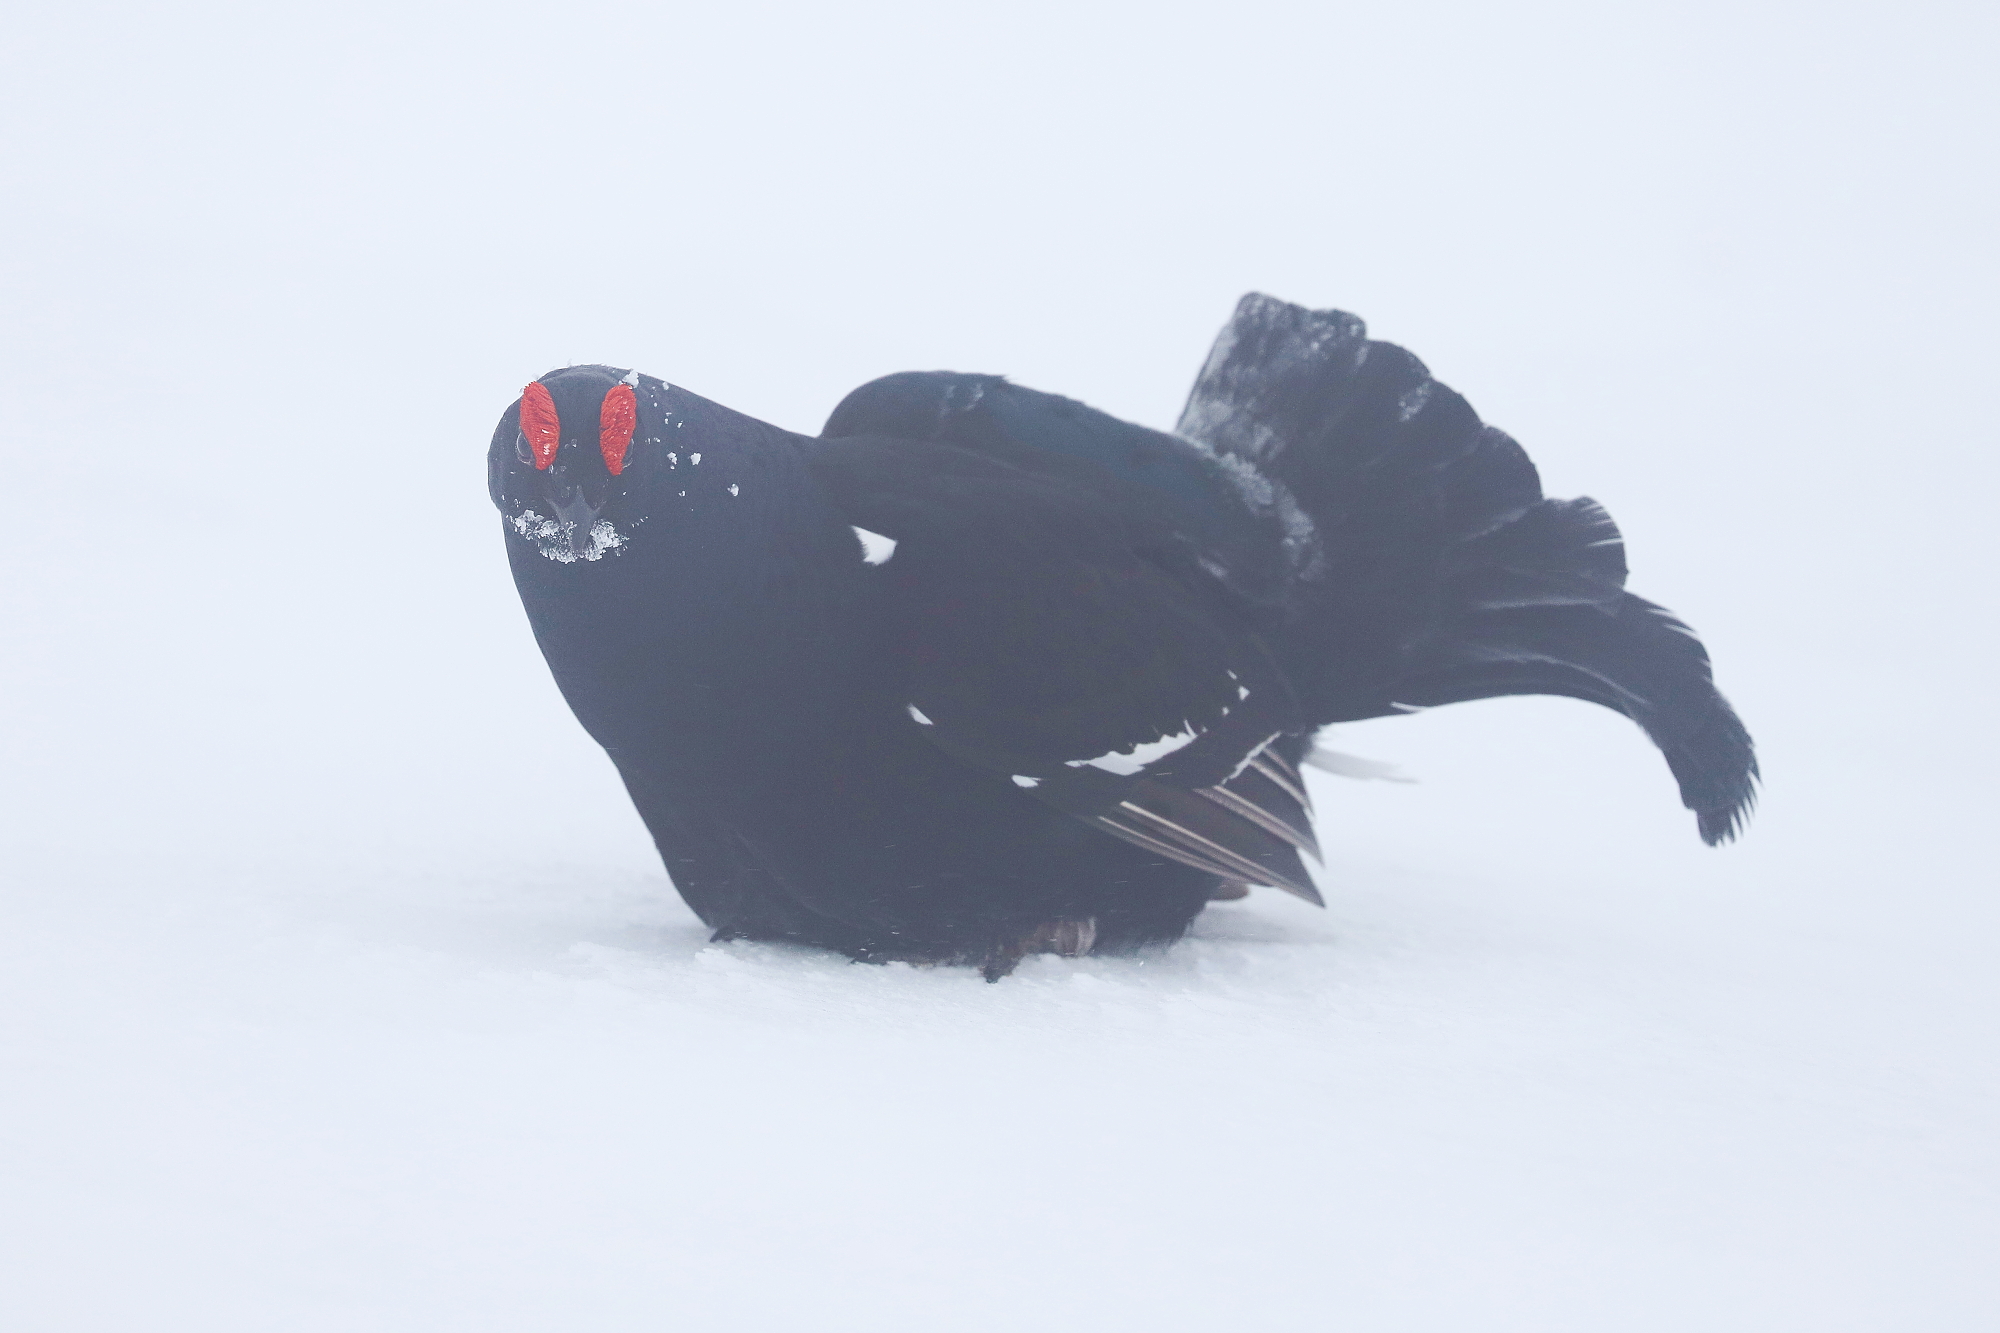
x,y
594,461
568,454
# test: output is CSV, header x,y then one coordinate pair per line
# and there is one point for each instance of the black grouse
x,y
982,671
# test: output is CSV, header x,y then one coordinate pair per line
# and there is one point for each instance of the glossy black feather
x,y
1448,576
752,678
983,671
1221,514
1046,622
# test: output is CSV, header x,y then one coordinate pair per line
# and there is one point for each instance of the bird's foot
x,y
1065,939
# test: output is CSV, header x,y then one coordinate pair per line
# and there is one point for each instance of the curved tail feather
x,y
1633,657
1442,573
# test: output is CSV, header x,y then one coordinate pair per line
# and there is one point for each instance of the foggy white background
x,y
341,990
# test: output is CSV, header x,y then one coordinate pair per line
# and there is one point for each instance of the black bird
x,y
982,671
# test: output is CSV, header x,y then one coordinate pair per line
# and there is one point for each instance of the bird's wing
x,y
1246,534
1442,573
1045,635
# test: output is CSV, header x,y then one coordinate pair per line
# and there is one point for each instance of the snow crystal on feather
x,y
1265,494
551,537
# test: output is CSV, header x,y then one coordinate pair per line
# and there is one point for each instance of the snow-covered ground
x,y
339,989
1506,1082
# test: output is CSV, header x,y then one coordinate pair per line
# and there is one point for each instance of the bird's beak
x,y
578,516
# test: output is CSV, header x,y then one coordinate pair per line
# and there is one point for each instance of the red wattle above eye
x,y
615,421
540,424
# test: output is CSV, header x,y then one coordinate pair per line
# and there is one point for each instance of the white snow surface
x,y
340,991
1354,766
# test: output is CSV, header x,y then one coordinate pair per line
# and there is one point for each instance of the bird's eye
x,y
615,421
521,450
540,426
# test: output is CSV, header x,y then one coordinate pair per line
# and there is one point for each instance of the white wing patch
x,y
875,548
1127,762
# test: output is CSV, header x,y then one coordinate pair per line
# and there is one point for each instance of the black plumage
x,y
982,671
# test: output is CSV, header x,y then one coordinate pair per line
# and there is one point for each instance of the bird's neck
x,y
730,617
